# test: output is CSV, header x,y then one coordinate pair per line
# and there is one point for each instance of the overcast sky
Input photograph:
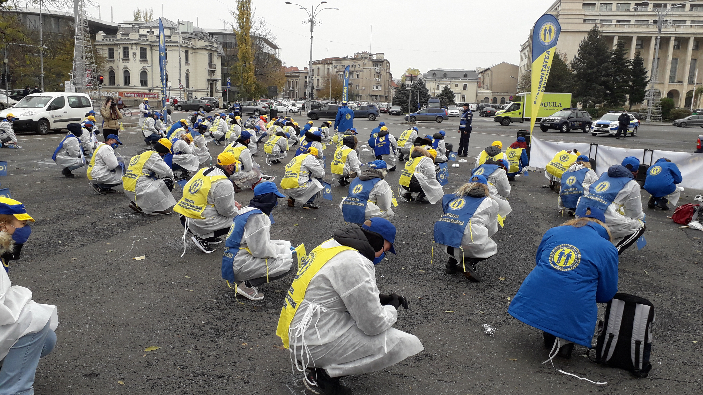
x,y
449,34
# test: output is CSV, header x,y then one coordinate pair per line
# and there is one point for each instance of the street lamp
x,y
313,12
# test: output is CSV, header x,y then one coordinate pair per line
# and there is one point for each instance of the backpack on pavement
x,y
626,338
684,213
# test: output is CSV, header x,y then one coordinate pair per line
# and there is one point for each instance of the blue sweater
x,y
344,120
662,178
576,268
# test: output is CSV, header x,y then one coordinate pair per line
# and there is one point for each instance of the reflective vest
x,y
382,145
215,125
484,170
484,157
561,163
572,187
236,150
409,171
404,137
92,161
304,146
340,159
354,206
458,211
233,243
514,155
270,144
292,174
194,200
134,170
603,192
311,264
230,130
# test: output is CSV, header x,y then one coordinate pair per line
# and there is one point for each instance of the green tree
x,y
143,15
560,76
400,98
332,88
592,69
419,94
525,82
620,71
446,97
410,71
637,89
667,105
244,76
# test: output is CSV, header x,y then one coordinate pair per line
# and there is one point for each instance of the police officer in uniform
x,y
465,131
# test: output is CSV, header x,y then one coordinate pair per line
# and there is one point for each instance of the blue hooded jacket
x,y
576,268
662,178
344,120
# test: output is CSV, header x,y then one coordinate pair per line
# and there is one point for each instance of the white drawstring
x,y
553,353
298,331
185,231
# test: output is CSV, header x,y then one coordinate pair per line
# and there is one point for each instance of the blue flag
x,y
327,192
641,242
162,65
443,174
345,91
3,168
5,192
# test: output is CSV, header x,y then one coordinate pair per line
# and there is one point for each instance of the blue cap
x,y
415,128
428,137
381,124
287,135
113,136
245,135
89,123
521,139
353,130
383,228
263,188
91,112
504,163
442,133
586,211
317,133
582,158
480,179
634,163
378,164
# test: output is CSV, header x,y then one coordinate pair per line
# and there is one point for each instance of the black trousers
x,y
629,240
464,143
622,129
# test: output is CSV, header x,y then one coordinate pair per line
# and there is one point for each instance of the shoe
x,y
408,196
250,293
214,240
309,206
548,340
203,245
452,266
401,159
323,383
470,272
134,207
216,142
570,213
422,199
617,138
343,182
268,178
67,173
661,203
163,212
392,169
291,202
566,350
652,203
97,189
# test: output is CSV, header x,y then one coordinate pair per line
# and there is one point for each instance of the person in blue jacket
x,y
306,128
661,184
344,119
377,129
577,267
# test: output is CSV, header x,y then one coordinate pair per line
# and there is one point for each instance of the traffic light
x,y
100,80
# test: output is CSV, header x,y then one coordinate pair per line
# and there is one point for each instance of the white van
x,y
42,112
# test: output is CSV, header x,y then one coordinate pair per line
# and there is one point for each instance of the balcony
x,y
212,66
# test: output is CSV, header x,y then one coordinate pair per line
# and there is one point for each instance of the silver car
x,y
691,120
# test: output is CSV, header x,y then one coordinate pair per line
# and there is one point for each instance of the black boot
x,y
67,172
652,202
662,203
452,266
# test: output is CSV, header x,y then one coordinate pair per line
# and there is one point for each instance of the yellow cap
x,y
10,115
91,118
146,99
433,153
295,123
184,121
313,151
226,158
166,143
384,127
498,144
310,122
13,207
187,138
237,117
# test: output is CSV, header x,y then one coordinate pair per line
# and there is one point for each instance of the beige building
x,y
463,83
370,76
296,83
131,66
497,83
635,23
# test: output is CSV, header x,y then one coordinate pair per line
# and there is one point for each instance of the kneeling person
x,y
69,154
148,181
661,182
105,170
370,195
345,162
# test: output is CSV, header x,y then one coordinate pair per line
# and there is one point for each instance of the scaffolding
x,y
83,77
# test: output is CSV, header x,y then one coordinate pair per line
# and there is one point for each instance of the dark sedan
x,y
487,112
194,105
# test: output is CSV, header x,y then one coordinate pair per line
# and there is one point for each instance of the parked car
x,y
42,112
487,111
384,107
212,100
608,125
369,111
566,120
328,111
453,111
395,110
6,102
428,114
194,105
699,148
691,120
255,108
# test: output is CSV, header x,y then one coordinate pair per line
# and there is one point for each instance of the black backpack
x,y
625,340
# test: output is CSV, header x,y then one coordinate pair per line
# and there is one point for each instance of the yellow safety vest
x,y
236,151
310,266
270,143
92,161
340,158
403,139
194,200
560,163
268,125
514,155
292,174
484,157
409,170
215,125
134,170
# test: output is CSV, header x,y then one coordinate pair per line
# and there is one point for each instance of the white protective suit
x,y
71,155
107,167
20,315
625,216
220,208
352,165
405,149
477,242
265,257
441,151
380,203
310,171
589,179
221,129
233,133
341,326
143,109
7,134
151,192
250,173
183,155
280,150
499,188
427,178
89,142
200,149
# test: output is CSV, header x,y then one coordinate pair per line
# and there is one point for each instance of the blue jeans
x,y
20,364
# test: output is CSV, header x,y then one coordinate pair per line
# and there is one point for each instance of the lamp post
x,y
313,12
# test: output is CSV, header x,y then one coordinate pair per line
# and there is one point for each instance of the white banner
x,y
690,164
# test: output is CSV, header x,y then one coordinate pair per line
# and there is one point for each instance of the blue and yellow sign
x,y
565,257
345,90
602,186
655,170
457,204
545,35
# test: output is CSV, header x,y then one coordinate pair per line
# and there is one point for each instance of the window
x,y
444,75
486,100
456,85
437,86
692,71
623,21
677,44
641,22
495,100
622,7
674,69
58,103
111,78
111,53
143,78
606,7
125,78
209,60
661,6
695,45
606,21
125,53
678,22
75,102
502,100
696,7
187,80
142,53
86,102
466,75
589,6
186,55
590,21
466,86
639,44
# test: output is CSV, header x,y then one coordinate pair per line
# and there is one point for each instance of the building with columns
x,y
635,23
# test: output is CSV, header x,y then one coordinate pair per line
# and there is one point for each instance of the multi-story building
x,y
370,76
635,23
296,83
463,83
131,60
497,83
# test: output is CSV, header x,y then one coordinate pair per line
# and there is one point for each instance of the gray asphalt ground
x,y
112,307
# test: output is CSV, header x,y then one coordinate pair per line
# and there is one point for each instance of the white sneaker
x,y
250,293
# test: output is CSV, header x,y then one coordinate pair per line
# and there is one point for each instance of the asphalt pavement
x,y
202,339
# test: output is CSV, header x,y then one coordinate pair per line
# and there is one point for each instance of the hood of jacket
x,y
355,238
310,136
370,174
600,229
518,144
492,150
619,171
438,136
382,133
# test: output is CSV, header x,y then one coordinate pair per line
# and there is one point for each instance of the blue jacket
x,y
576,268
465,122
344,120
662,178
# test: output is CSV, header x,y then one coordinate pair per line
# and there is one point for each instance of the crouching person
x,y
661,183
470,220
301,179
370,195
148,181
419,176
577,267
105,170
251,258
69,154
334,320
574,183
345,162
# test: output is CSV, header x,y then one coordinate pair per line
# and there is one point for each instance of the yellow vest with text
x,y
514,155
409,170
236,151
403,139
310,266
292,174
340,159
271,143
92,161
135,170
560,163
215,125
484,157
194,200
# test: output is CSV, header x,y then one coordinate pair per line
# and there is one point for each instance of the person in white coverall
x,y
301,179
498,184
143,110
376,202
419,176
184,158
69,154
148,181
335,322
105,169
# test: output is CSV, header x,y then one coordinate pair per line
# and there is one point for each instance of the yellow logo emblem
x,y
565,257
571,181
358,189
564,158
134,160
479,171
348,117
655,170
602,186
457,204
195,186
548,33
